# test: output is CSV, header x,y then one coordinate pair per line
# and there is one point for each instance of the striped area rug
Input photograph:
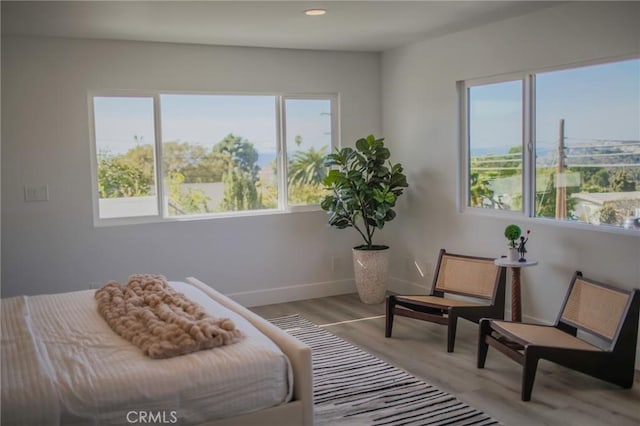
x,y
353,387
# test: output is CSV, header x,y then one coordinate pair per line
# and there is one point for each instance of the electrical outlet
x,y
36,193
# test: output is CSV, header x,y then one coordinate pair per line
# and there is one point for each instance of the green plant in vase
x,y
364,186
512,233
516,242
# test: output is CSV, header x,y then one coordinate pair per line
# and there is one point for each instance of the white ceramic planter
x,y
371,269
513,254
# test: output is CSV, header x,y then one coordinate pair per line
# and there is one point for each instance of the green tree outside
x,y
185,201
232,161
240,180
592,179
118,177
609,215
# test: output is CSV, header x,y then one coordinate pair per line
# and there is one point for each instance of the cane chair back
x,y
595,308
467,276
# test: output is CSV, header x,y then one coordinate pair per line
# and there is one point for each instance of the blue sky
x,y
207,119
119,120
311,120
597,102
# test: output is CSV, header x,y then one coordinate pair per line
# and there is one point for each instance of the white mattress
x,y
62,364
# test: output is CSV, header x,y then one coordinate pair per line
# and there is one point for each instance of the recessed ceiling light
x,y
315,12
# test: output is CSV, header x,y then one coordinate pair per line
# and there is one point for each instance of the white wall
x,y
420,120
53,246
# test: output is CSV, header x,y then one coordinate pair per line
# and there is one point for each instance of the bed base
x,y
297,412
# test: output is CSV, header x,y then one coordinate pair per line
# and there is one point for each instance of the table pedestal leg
x,y
516,309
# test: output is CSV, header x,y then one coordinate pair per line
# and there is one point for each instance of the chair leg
x,y
391,305
483,346
529,368
451,332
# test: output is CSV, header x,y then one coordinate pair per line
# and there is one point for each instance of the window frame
x,y
528,78
163,214
465,156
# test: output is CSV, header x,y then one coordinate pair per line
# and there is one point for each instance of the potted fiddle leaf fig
x,y
364,186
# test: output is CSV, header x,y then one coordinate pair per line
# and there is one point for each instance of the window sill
x,y
519,216
101,223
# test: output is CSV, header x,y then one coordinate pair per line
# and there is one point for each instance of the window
x,y
125,150
218,153
562,144
175,155
495,129
308,136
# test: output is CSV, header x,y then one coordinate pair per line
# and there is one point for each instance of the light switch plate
x,y
36,193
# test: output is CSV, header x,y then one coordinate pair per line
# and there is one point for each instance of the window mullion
x,y
335,123
281,153
463,147
162,205
528,151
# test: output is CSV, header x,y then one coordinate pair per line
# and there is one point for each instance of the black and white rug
x,y
353,387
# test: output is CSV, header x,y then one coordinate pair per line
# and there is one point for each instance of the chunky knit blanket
x,y
159,320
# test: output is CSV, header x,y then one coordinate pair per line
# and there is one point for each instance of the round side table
x,y
515,265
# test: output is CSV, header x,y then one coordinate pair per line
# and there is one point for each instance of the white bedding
x,y
62,364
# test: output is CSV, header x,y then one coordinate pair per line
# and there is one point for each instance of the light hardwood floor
x,y
560,396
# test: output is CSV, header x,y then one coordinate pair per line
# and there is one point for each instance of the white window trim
x,y
163,216
527,215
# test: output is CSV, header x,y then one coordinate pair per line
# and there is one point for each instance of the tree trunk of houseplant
x,y
371,269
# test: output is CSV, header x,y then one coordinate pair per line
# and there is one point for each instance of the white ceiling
x,y
348,25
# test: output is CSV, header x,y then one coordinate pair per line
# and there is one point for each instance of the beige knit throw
x,y
162,322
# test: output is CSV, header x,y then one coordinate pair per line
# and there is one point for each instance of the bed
x,y
62,364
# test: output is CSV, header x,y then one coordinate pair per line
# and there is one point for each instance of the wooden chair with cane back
x,y
477,278
607,314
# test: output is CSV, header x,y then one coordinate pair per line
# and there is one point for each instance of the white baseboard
x,y
314,290
293,293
